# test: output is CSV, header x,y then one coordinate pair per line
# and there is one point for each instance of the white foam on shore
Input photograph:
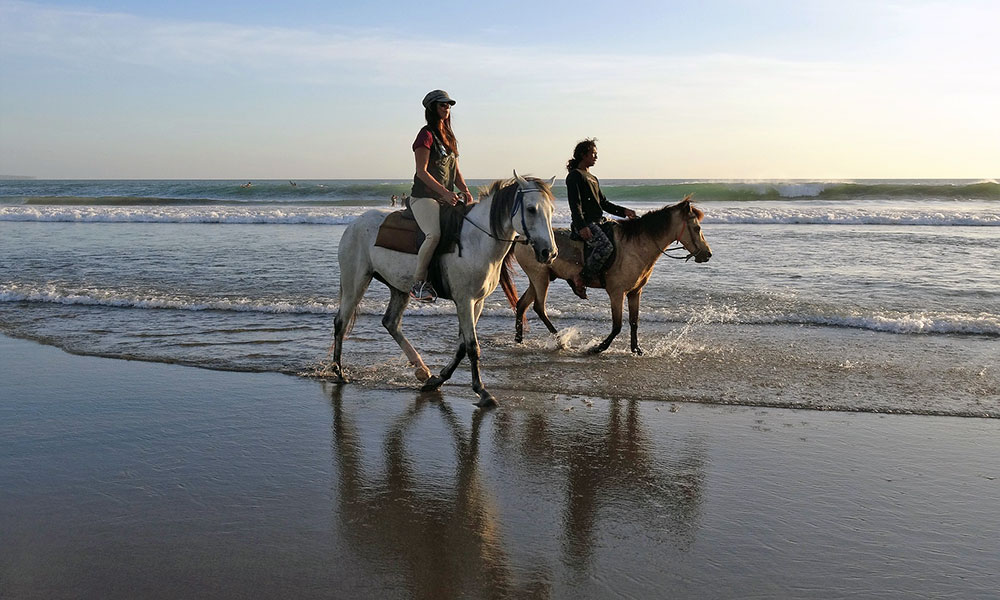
x,y
764,214
889,322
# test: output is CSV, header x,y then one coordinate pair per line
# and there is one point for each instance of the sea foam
x,y
784,214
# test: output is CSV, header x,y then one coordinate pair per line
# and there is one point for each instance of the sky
x,y
729,89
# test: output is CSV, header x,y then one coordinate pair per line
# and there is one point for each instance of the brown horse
x,y
639,243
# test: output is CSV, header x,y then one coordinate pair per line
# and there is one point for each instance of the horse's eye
x,y
532,209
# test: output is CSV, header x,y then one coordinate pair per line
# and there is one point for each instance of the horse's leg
x,y
468,345
391,321
541,293
472,345
617,302
435,381
464,316
352,288
522,306
633,319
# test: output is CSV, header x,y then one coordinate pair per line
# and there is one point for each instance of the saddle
x,y
399,231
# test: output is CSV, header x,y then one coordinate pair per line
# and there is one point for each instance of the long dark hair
x,y
442,127
581,148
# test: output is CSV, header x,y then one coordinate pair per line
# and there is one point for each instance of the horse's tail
x,y
508,285
507,278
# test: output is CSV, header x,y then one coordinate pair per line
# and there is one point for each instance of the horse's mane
x,y
654,221
504,193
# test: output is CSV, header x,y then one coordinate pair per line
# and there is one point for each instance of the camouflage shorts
x,y
596,251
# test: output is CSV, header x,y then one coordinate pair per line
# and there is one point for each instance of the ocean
x,y
868,295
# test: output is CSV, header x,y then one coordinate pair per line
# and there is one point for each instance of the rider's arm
x,y
618,211
462,186
422,156
574,190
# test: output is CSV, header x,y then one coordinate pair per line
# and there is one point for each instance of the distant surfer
x,y
246,185
393,200
292,183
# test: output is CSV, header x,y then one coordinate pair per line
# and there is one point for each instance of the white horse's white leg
x,y
471,338
355,276
392,321
468,345
464,309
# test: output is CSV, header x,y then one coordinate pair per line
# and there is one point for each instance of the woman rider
x,y
587,205
436,153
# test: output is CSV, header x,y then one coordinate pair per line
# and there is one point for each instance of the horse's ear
x,y
552,181
520,180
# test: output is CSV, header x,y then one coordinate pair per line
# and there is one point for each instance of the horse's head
x,y
531,215
690,235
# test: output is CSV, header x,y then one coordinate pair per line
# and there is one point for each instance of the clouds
x,y
662,109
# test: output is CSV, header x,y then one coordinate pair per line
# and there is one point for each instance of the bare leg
x,y
633,319
392,320
617,302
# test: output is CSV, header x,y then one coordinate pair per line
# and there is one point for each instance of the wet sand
x,y
124,479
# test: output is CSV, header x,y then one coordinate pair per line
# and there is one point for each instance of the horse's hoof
x,y
596,350
486,400
432,384
637,351
422,373
518,338
338,375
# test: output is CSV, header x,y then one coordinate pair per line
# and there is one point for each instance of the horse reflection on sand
x,y
433,528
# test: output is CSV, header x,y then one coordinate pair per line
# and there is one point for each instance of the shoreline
x,y
398,379
124,479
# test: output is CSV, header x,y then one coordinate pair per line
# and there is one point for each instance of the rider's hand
x,y
585,233
630,214
467,195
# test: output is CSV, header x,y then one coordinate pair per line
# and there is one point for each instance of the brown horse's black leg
x,y
633,319
522,306
540,297
616,324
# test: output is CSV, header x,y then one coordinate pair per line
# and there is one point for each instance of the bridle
x,y
518,205
681,247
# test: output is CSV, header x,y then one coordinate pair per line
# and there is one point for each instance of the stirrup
x,y
423,292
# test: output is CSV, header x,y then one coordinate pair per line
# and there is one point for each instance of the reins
x,y
518,204
681,247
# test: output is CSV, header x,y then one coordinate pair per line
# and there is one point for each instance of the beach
x,y
126,479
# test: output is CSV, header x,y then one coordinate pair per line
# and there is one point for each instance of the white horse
x,y
519,206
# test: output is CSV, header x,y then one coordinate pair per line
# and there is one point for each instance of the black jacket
x,y
587,203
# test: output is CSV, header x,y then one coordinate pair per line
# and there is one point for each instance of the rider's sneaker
x,y
423,292
578,286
